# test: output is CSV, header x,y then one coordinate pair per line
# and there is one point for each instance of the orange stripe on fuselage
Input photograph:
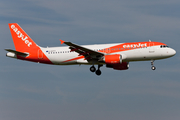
x,y
129,46
123,47
80,57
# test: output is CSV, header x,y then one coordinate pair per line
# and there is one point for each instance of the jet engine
x,y
118,66
115,61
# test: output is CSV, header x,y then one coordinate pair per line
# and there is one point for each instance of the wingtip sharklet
x,y
62,41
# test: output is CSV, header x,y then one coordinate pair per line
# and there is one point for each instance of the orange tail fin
x,y
26,48
22,41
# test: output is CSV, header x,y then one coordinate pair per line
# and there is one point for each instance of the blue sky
x,y
31,91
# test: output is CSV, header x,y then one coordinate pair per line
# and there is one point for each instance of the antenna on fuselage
x,y
149,40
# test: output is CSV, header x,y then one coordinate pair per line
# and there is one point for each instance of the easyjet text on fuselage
x,y
135,45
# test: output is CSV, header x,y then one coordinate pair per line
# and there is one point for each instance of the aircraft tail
x,y
21,39
26,48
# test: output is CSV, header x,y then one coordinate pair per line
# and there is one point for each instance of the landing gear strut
x,y
98,71
152,63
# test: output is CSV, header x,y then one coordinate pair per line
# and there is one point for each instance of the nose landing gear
x,y
152,63
153,68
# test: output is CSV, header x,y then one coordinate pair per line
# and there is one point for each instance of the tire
x,y
92,69
153,68
98,72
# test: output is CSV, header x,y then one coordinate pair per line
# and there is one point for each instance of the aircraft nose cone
x,y
172,52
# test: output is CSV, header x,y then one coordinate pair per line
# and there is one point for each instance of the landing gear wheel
x,y
153,67
98,72
92,69
152,63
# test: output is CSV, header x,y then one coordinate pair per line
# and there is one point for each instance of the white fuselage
x,y
63,55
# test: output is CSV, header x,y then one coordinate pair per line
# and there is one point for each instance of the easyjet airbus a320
x,y
116,55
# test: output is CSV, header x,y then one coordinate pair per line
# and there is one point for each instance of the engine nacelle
x,y
118,66
113,59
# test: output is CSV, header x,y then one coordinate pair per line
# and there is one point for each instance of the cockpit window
x,y
163,46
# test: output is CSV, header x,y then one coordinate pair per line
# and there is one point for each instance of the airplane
x,y
115,55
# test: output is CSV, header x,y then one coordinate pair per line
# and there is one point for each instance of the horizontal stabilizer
x,y
17,52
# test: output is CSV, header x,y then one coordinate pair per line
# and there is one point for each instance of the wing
x,y
89,54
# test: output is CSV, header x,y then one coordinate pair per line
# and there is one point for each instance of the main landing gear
x,y
98,71
152,63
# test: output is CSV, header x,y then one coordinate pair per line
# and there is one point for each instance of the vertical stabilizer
x,y
26,48
22,41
